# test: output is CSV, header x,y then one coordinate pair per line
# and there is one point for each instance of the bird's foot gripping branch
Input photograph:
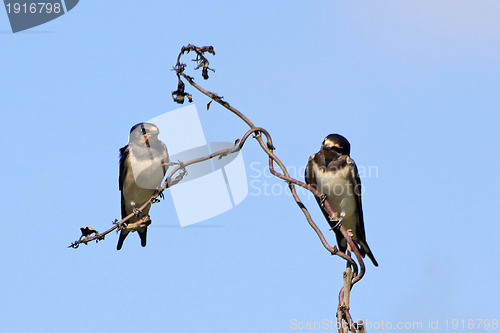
x,y
355,269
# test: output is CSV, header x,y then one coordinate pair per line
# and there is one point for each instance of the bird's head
x,y
334,146
144,134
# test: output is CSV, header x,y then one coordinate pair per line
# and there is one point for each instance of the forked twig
x,y
352,275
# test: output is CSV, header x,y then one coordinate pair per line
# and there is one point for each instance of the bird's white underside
x,y
142,179
147,173
339,192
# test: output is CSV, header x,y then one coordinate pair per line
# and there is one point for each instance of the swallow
x,y
143,165
334,174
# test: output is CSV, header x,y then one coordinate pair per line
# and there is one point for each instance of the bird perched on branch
x,y
142,169
334,174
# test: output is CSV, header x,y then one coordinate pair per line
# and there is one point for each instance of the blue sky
x,y
414,86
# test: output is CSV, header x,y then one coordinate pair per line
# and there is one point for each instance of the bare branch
x,y
352,273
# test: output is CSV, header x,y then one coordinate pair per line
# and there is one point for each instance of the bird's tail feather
x,y
123,235
365,249
142,234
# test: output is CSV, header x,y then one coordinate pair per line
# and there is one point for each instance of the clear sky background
x,y
413,85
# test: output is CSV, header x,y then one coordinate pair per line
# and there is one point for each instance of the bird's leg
x,y
136,211
337,225
160,193
338,222
121,225
322,200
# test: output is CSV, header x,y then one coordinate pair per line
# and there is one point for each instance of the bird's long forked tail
x,y
124,233
141,226
363,248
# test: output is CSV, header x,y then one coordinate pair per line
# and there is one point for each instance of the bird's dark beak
x,y
329,152
146,138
